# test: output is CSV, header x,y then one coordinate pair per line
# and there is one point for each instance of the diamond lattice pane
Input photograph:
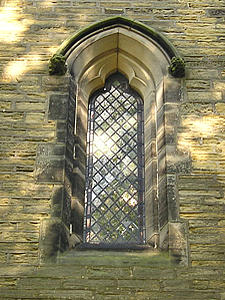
x,y
114,177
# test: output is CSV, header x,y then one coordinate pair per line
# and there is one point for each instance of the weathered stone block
x,y
178,241
77,216
57,201
172,90
179,163
57,107
49,170
50,149
162,202
139,10
34,117
61,136
204,96
217,13
54,237
188,108
55,83
114,11
220,108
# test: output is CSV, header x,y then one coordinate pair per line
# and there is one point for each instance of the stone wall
x,y
110,276
33,145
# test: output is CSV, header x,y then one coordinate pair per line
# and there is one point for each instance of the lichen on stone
x,y
177,67
57,65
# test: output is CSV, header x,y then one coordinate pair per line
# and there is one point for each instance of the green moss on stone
x,y
118,20
57,65
177,67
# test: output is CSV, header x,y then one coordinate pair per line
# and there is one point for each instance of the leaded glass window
x,y
114,196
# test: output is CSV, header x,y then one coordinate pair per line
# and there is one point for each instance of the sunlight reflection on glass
x,y
128,199
103,143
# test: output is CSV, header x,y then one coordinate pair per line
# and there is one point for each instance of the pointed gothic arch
x,y
144,57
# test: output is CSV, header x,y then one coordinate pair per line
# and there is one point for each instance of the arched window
x,y
114,194
152,67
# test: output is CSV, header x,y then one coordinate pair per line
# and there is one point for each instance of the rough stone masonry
x,y
31,32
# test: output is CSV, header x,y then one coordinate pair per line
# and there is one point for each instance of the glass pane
x,y
114,208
